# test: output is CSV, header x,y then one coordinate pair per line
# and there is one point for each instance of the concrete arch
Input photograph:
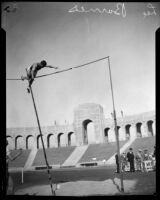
x,y
84,133
106,130
91,133
122,135
111,135
85,114
88,133
39,142
30,142
139,129
133,131
71,139
128,131
11,144
19,142
50,140
61,139
150,127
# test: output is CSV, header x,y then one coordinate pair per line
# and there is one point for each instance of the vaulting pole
x,y
115,128
44,151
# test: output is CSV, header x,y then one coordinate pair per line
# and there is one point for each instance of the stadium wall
x,y
78,133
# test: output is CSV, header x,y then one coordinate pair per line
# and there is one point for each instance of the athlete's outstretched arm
x,y
49,66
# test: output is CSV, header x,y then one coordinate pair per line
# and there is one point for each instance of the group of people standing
x,y
135,162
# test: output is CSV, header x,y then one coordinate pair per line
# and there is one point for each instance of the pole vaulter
x,y
31,73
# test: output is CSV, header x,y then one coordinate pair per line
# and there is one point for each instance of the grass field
x,y
144,183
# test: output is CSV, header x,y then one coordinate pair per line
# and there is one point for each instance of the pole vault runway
x,y
81,188
84,182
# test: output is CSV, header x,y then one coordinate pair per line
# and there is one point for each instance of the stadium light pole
x,y
45,156
115,128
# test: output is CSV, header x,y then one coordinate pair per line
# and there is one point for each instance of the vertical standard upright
x,y
44,151
115,128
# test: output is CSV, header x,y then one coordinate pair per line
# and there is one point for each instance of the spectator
x,y
130,158
139,161
154,152
154,158
123,161
146,155
150,157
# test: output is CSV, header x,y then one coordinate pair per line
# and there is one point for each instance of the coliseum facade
x,y
89,126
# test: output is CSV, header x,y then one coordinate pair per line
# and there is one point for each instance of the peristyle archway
x,y
88,132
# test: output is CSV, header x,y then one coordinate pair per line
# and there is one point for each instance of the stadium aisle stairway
x,y
75,156
111,160
31,158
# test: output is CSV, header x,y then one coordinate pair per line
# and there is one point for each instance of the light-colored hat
x,y
139,150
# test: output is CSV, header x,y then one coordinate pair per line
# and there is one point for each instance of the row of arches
x,y
89,135
125,132
51,140
128,130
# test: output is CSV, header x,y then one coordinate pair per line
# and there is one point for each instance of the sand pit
x,y
81,188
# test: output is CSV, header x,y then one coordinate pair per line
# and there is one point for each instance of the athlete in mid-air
x,y
33,70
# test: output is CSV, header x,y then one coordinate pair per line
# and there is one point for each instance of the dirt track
x,y
81,188
84,181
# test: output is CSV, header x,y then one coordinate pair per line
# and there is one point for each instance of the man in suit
x,y
130,157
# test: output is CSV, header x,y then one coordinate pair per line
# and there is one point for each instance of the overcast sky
x,y
70,34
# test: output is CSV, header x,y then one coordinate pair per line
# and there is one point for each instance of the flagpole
x,y
115,128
